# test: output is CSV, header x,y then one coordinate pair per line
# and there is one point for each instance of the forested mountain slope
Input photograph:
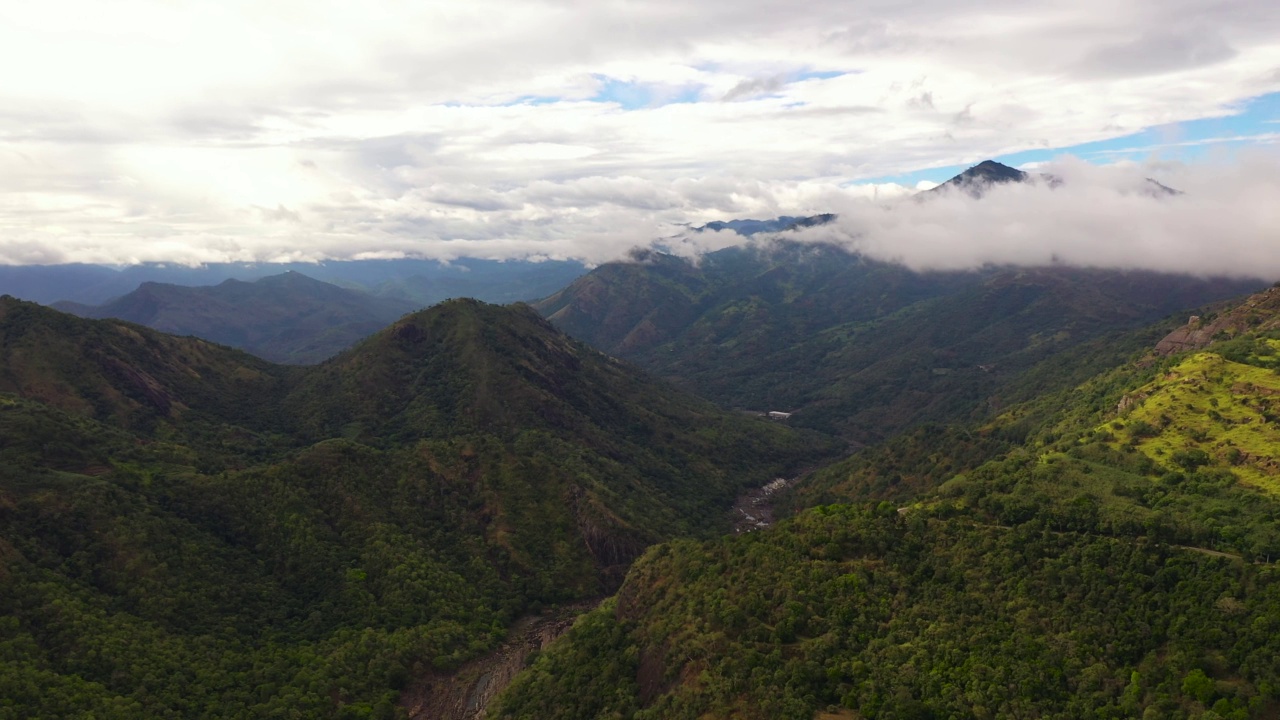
x,y
848,612
188,531
1099,551
130,376
859,347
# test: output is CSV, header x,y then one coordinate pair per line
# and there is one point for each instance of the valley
x,y
314,539
466,693
640,360
1000,492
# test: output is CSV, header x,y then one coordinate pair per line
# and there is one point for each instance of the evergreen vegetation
x,y
1096,552
187,531
867,349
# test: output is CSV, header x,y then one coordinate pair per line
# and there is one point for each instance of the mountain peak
x,y
991,171
978,178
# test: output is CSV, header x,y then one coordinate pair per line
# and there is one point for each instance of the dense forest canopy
x,y
187,531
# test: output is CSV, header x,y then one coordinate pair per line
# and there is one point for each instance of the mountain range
x,y
167,502
1105,550
1009,492
287,318
419,282
859,347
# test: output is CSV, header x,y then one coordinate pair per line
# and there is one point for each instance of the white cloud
x,y
1098,216
184,131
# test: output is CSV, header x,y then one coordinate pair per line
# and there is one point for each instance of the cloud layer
x,y
1099,216
194,132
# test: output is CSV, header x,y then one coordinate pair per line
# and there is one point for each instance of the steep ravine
x,y
466,693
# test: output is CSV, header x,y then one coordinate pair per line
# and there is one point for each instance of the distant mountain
x,y
489,282
976,180
1158,189
856,346
287,318
422,282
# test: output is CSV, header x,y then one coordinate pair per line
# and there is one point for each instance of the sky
x,y
171,131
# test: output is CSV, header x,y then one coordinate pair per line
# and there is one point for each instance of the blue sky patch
x,y
638,96
817,75
1258,118
535,100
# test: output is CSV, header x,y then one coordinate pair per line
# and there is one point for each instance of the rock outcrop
x,y
1257,313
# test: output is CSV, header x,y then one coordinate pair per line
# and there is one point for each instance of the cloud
x,y
755,86
169,131
1157,53
1098,216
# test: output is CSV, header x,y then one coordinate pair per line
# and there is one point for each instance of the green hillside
x,y
864,613
866,349
1209,410
1099,551
1086,583
132,377
187,531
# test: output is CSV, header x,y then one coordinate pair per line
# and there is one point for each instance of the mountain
x,y
748,227
49,283
859,347
488,281
1099,551
978,178
421,282
465,368
287,318
128,376
187,530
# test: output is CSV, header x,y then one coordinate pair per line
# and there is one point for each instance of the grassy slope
x,y
1206,403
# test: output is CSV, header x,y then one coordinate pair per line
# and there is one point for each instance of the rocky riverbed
x,y
754,508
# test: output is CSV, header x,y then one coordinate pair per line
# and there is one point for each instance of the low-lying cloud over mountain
x,y
1223,221
1110,217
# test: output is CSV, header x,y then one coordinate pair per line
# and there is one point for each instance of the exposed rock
x,y
754,508
467,693
1259,312
1129,401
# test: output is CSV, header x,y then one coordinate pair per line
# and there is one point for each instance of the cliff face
x,y
467,693
1257,313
